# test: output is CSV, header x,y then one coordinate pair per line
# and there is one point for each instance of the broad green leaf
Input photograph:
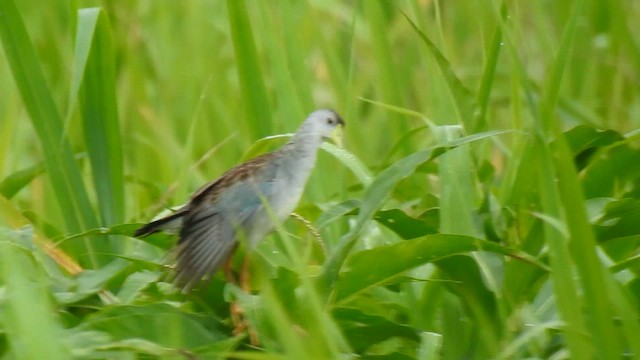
x,y
584,137
608,174
13,183
158,323
378,266
467,282
527,337
134,284
376,194
620,219
90,282
522,281
364,330
405,226
430,345
28,318
361,337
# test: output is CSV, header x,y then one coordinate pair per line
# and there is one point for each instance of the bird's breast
x,y
289,185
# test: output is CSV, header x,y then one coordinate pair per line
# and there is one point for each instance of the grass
x,y
485,205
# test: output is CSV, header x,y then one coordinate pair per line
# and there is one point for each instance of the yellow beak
x,y
336,135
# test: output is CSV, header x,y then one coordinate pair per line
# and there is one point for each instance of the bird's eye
x,y
330,121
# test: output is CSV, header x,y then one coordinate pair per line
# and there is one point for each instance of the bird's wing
x,y
207,239
211,191
208,234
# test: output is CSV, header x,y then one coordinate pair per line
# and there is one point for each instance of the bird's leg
x,y
228,272
234,309
246,287
244,275
239,323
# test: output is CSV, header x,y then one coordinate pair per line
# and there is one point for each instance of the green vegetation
x,y
486,205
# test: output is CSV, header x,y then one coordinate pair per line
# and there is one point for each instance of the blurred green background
x,y
485,205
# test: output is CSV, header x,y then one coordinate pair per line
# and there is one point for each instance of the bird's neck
x,y
302,149
303,144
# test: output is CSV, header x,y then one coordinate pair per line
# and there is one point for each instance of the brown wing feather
x,y
241,172
207,239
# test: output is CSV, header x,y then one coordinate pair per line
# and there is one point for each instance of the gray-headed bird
x,y
244,202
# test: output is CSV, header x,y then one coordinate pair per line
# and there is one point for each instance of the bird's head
x,y
326,123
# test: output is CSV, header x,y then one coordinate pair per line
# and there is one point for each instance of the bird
x,y
243,202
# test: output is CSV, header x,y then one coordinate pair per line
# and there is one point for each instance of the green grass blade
x,y
197,82
488,78
28,316
374,197
462,98
258,107
37,98
285,83
459,201
376,194
349,160
100,113
13,183
374,267
566,293
387,83
591,271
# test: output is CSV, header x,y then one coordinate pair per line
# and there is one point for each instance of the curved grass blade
x,y
376,194
348,159
462,97
13,183
375,267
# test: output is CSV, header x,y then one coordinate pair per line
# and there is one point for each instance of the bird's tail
x,y
171,222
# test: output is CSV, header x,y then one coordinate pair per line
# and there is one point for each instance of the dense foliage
x,y
486,203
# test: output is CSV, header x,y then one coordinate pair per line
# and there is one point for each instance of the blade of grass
x,y
488,76
462,98
387,82
458,203
63,171
566,294
13,183
292,108
28,315
377,266
375,196
582,239
258,107
100,115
